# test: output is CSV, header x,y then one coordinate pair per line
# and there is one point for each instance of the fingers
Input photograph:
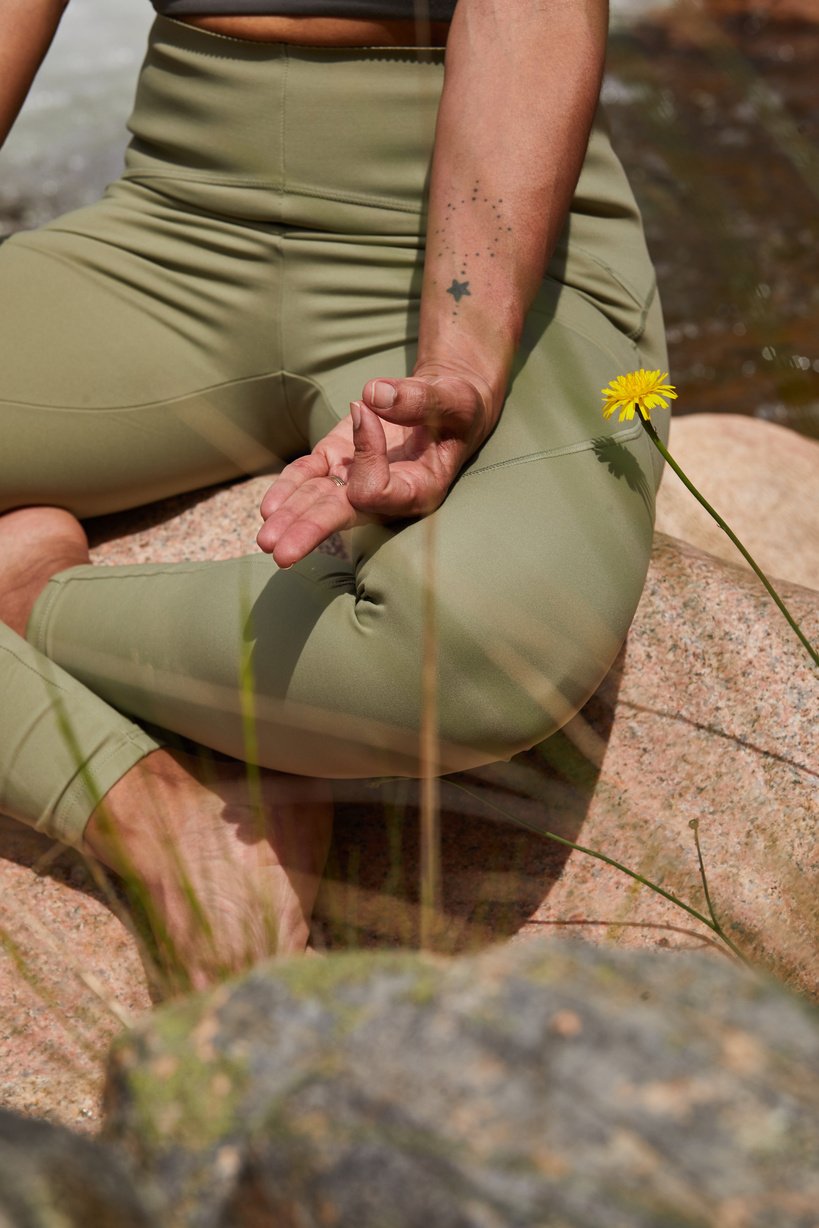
x,y
382,484
291,478
445,404
304,523
433,422
369,476
303,508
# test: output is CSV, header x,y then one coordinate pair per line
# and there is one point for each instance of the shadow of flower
x,y
624,464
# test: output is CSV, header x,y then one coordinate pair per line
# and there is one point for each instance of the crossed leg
x,y
228,871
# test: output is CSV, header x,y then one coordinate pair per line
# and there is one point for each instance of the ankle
x,y
35,544
131,826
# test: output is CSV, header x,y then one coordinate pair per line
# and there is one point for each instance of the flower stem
x,y
669,459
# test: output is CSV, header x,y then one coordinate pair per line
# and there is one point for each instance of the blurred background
x,y
714,107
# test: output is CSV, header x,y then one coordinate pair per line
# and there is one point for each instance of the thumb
x,y
444,404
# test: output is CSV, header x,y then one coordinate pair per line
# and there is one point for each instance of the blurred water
x,y
717,121
69,138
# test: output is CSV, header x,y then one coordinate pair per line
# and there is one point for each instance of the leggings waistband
x,y
338,141
324,137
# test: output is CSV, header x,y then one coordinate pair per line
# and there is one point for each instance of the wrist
x,y
481,349
491,385
489,374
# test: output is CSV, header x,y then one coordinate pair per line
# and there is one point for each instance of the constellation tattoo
x,y
491,217
458,289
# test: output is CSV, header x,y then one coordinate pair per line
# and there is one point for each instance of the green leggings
x,y
213,315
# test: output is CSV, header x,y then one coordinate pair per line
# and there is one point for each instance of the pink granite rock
x,y
70,977
710,713
70,971
762,479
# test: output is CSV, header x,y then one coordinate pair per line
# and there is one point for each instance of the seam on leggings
x,y
556,320
279,342
227,181
298,430
79,785
283,126
644,317
134,408
643,304
108,572
37,629
350,198
37,673
297,377
584,445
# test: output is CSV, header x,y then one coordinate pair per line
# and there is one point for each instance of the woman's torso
x,y
319,23
326,31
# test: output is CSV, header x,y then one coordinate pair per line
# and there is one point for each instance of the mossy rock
x,y
537,1084
52,1178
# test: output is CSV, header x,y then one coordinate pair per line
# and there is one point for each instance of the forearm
x,y
26,30
521,88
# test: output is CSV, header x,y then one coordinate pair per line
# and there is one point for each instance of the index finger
x,y
314,512
291,478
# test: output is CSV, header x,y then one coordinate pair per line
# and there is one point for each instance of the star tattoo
x,y
458,289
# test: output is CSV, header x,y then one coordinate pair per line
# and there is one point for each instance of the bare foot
x,y
35,543
225,877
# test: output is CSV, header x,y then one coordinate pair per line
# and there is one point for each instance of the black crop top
x,y
438,10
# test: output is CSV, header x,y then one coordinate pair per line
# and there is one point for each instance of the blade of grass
x,y
617,865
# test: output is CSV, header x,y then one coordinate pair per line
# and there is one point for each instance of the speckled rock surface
x,y
70,970
710,714
761,478
218,523
70,975
545,1084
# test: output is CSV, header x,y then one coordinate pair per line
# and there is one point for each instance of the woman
x,y
374,260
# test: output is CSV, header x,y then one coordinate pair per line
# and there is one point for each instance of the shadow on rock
x,y
497,864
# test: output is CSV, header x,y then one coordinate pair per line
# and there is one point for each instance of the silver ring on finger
x,y
335,478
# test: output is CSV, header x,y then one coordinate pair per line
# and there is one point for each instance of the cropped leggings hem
x,y
109,765
71,750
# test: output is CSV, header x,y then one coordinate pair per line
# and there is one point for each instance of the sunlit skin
x,y
326,31
255,877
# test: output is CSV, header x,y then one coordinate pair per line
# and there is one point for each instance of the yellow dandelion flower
x,y
643,390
